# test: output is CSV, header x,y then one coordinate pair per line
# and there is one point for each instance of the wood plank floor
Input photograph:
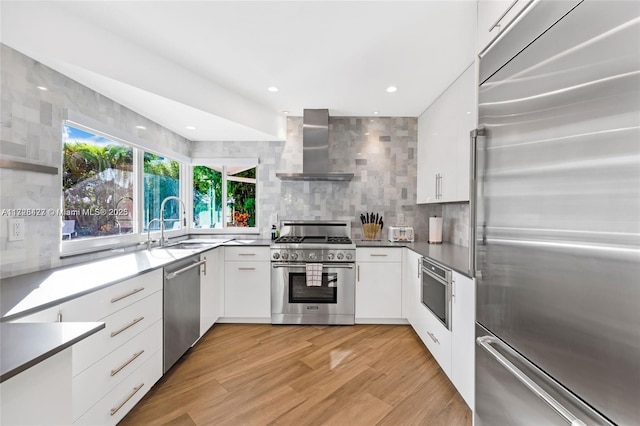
x,y
256,374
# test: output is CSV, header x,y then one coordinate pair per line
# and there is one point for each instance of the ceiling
x,y
208,64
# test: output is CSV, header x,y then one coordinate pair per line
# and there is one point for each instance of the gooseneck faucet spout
x,y
184,216
149,232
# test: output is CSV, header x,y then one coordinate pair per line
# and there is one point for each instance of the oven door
x,y
436,291
293,302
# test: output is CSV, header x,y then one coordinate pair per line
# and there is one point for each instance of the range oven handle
x,y
485,343
302,265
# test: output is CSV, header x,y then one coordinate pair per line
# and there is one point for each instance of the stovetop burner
x,y
295,239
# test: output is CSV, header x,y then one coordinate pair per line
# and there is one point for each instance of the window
x,y
161,180
224,195
112,189
97,184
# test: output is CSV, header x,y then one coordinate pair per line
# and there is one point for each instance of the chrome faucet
x,y
184,215
149,232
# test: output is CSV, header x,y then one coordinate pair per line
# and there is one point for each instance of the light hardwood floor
x,y
255,374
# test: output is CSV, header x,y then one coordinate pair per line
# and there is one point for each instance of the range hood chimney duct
x,y
315,150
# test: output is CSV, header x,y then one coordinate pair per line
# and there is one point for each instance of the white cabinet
x,y
435,336
463,311
247,284
211,288
494,16
39,395
443,143
411,273
378,284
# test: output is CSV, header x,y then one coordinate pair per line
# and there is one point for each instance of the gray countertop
x,y
451,255
28,293
23,345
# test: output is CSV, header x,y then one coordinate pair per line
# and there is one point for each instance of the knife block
x,y
370,231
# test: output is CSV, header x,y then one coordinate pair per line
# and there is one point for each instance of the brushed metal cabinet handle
x,y
131,324
131,293
434,338
204,266
246,254
358,273
246,269
127,362
135,390
378,255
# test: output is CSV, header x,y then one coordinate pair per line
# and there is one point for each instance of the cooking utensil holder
x,y
370,230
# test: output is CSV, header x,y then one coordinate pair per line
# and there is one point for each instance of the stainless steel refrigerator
x,y
557,213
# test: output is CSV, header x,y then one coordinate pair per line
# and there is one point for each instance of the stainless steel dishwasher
x,y
181,308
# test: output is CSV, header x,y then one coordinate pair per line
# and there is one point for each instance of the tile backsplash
x,y
380,151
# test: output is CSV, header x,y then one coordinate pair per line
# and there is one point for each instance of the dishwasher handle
x,y
172,275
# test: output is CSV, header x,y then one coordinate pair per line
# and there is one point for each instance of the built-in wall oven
x,y
436,290
313,273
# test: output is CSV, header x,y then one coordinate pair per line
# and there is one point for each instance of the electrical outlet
x,y
16,229
400,219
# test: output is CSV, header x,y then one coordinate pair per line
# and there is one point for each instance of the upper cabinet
x,y
443,143
494,16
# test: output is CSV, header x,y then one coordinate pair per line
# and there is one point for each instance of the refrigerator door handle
x,y
473,176
485,343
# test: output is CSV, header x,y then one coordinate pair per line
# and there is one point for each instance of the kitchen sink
x,y
195,244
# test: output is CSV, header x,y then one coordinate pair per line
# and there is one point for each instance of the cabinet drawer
x,y
246,253
96,381
119,328
102,303
119,401
435,337
379,254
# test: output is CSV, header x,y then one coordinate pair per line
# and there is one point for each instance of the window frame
x,y
224,162
139,146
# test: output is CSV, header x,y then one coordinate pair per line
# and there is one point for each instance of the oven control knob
x,y
330,256
285,255
349,256
340,256
276,256
312,256
294,256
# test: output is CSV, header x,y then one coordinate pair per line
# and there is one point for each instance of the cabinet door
x,y
211,298
435,336
410,284
463,314
379,290
493,17
428,153
247,290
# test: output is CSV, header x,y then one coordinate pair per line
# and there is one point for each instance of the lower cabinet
x,y
463,314
211,288
435,336
378,284
247,284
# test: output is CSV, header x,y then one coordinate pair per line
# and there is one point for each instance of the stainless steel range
x,y
313,273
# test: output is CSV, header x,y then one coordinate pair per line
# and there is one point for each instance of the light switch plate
x,y
400,219
16,229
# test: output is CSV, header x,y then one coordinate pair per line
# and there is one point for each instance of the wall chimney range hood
x,y
315,150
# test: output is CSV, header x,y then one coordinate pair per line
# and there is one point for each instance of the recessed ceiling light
x,y
367,134
391,89
44,89
273,89
141,127
190,127
468,112
285,112
375,112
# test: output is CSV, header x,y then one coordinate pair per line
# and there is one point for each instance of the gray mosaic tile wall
x,y
31,129
455,223
380,151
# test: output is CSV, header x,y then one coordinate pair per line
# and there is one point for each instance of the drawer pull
x,y
117,408
246,269
434,338
127,362
131,293
134,322
378,255
246,254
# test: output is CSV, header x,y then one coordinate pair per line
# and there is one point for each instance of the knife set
x,y
372,224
